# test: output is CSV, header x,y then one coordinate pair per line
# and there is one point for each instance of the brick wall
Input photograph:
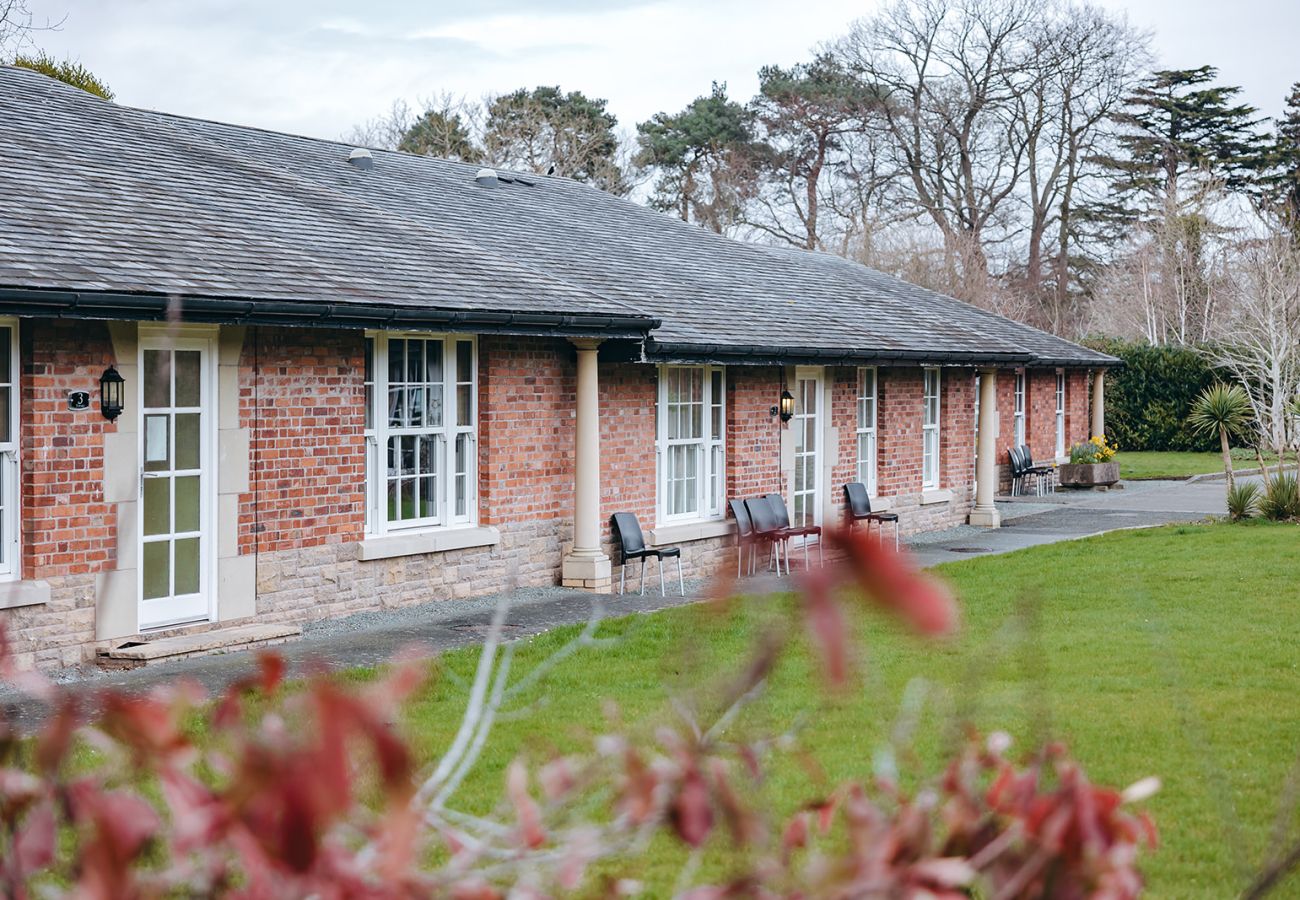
x,y
899,396
302,396
753,433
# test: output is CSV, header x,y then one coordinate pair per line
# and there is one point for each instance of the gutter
x,y
227,311
759,355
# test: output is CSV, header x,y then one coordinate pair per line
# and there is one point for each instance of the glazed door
x,y
176,441
806,426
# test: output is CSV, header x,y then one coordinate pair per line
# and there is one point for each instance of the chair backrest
x,y
777,502
856,499
1017,462
761,514
629,534
1026,456
744,526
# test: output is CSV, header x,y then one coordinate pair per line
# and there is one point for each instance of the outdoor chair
x,y
857,508
1044,476
767,528
632,546
1019,471
745,534
777,502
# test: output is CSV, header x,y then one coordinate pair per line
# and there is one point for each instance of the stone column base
x,y
590,572
985,518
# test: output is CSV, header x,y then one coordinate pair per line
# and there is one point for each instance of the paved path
x,y
373,638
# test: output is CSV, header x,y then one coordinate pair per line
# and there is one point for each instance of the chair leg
x,y
643,576
681,582
895,535
622,577
806,567
662,592
821,551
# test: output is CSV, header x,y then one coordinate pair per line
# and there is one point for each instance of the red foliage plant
x,y
314,792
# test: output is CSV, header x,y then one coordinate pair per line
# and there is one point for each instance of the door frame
x,y
204,339
817,374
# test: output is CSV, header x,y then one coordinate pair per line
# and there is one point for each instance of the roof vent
x,y
362,159
486,178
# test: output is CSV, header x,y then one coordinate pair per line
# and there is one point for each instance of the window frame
x,y
1060,413
930,430
11,466
1018,417
446,436
867,431
711,472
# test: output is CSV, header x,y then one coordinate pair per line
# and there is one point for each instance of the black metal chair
x,y
766,527
632,546
745,534
1018,470
1044,476
777,503
857,508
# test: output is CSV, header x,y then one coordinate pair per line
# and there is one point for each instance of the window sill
x,y
881,504
440,541
932,496
14,594
685,532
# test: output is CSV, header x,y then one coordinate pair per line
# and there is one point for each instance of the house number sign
x,y
78,400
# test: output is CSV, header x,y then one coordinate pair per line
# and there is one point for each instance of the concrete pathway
x,y
373,638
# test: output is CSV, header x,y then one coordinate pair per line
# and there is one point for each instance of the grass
x,y
1145,465
1170,651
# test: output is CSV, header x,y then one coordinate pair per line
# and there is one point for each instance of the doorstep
x,y
139,652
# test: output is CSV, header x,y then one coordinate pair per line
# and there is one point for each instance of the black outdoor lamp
x,y
111,391
786,409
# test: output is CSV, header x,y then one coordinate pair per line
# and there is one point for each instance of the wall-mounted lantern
x,y
112,390
786,409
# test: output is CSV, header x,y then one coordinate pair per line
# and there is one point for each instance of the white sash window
x,y
1060,413
867,428
1020,409
692,439
930,431
9,500
421,431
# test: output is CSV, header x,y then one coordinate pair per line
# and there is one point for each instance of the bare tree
x,y
17,24
1260,345
385,131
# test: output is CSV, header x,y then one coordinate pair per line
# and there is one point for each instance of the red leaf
x,y
34,843
691,812
826,625
526,809
893,581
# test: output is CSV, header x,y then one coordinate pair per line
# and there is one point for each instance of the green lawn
x,y
1171,652
1154,464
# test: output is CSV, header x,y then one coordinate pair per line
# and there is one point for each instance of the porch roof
x,y
108,211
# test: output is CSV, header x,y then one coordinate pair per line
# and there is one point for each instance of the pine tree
x,y
1279,181
441,133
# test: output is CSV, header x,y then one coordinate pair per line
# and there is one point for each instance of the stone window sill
x,y
931,497
14,594
686,532
440,541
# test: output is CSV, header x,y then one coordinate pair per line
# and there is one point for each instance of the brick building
x,y
356,380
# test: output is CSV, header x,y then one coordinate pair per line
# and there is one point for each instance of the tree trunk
x,y
1227,455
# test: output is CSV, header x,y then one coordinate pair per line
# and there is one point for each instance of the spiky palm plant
x,y
1225,409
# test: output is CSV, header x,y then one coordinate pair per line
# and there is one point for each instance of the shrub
x,y
1243,500
1149,399
1282,498
1094,450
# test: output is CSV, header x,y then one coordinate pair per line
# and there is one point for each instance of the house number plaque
x,y
78,400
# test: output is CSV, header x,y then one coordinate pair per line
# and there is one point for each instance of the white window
x,y
692,437
867,429
1020,409
9,499
1060,413
930,431
421,430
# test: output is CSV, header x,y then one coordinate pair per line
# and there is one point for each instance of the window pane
x,y
369,378
157,443
464,404
157,378
156,569
187,440
6,349
415,361
188,375
462,474
5,409
396,407
187,566
187,503
396,360
464,361
157,505
433,373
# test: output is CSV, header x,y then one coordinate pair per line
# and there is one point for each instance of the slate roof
x,y
98,200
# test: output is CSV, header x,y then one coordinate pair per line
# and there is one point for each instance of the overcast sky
x,y
317,67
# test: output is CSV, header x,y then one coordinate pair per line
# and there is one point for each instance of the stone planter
x,y
1088,475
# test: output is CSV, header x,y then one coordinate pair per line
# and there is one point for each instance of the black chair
x,y
632,546
766,527
777,503
1020,471
857,508
745,534
1044,476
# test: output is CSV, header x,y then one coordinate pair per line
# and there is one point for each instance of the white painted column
x,y
985,512
586,565
1099,403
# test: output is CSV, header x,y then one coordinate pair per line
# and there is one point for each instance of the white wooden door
x,y
806,426
176,481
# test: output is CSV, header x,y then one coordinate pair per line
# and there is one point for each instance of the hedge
x,y
1148,400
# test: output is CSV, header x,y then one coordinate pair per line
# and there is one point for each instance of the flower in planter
x,y
1094,450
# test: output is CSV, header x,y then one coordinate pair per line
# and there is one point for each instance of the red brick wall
x,y
67,528
753,433
1078,421
956,428
899,395
302,396
844,418
628,400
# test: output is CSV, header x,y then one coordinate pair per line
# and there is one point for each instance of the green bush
x,y
1149,399
1282,498
1243,500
